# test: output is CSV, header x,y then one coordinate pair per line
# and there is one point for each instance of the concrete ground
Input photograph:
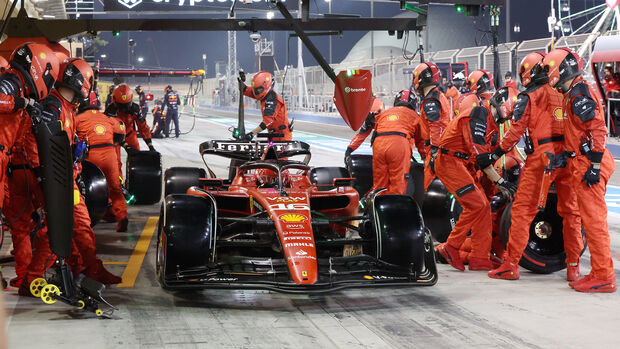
x,y
462,310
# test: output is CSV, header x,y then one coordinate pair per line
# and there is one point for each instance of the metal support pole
x,y
330,37
372,33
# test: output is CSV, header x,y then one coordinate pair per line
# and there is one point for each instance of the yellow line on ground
x,y
137,257
120,263
138,220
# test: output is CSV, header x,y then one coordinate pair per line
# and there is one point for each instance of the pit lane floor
x,y
462,310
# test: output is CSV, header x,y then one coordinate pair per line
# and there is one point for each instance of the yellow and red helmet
x,y
262,83
39,67
531,69
77,75
562,64
426,74
122,94
465,103
406,98
480,81
504,101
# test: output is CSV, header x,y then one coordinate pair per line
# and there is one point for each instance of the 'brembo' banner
x,y
186,5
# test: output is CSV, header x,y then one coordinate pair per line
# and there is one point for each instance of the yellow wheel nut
x,y
98,312
36,285
47,293
81,304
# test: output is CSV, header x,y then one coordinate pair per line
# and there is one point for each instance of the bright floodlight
x,y
270,15
140,59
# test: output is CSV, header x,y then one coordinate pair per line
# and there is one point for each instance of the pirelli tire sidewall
x,y
94,187
186,235
324,176
178,179
144,177
440,210
541,255
398,231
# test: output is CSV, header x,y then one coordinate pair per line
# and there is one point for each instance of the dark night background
x,y
447,29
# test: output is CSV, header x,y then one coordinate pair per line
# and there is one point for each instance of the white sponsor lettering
x,y
294,226
348,89
289,207
286,198
296,232
222,279
299,244
297,238
301,253
294,258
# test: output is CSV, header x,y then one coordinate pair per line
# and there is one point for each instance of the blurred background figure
x,y
611,82
508,82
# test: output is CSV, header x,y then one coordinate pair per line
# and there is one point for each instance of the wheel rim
x,y
36,285
48,292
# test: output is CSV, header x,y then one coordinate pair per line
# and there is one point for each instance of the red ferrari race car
x,y
282,225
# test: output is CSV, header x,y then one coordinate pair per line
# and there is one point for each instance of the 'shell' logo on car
x,y
293,218
130,3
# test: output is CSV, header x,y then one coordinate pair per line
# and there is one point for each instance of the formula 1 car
x,y
282,225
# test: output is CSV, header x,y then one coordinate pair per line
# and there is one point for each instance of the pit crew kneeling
x,y
464,139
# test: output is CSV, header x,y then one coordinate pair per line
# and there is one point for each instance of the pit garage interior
x,y
462,309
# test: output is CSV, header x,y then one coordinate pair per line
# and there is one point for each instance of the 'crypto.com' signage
x,y
180,5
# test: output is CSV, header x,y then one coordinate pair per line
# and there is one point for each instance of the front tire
x,y
186,235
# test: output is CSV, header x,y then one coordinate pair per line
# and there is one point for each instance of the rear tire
x,y
178,179
94,188
185,237
441,210
143,177
324,176
544,253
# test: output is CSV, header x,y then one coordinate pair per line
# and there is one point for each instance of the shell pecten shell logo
x,y
392,117
99,129
293,218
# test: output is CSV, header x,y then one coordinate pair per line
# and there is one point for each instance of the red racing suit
x,y
585,121
134,123
275,117
12,119
84,252
463,139
103,134
435,113
539,110
396,129
22,184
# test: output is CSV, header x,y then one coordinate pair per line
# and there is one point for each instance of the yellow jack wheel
x,y
36,286
98,312
47,291
81,304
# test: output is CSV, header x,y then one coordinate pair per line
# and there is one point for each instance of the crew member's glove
x,y
249,136
152,148
131,151
559,160
485,160
431,162
81,151
593,174
506,188
35,110
347,155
